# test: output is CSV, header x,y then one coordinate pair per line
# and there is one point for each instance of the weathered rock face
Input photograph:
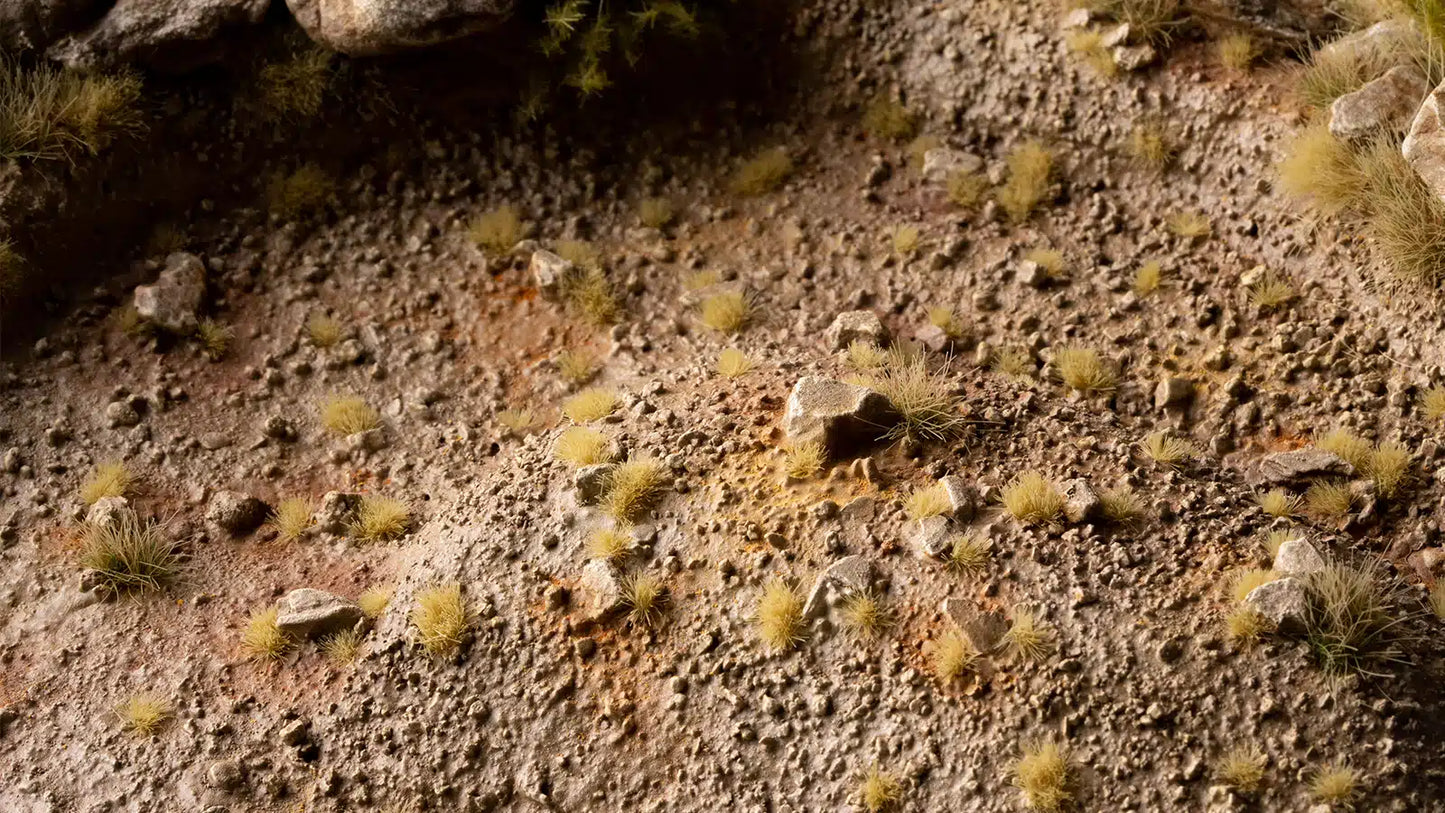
x,y
852,326
1424,146
835,414
362,27
1284,602
309,613
167,33
1300,466
32,25
172,301
236,514
1383,105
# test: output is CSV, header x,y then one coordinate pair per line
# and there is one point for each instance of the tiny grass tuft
x,y
733,363
1245,581
342,648
1168,450
1189,225
611,544
1033,499
965,189
762,173
1242,768
144,714
1029,637
866,616
441,618
780,615
1245,625
656,213
1029,166
928,501
1149,145
1350,627
969,554
924,399
576,367
1432,403
804,460
299,192
380,519
497,231
373,601
1322,170
111,479
643,595
517,421
1271,291
880,790
1147,278
348,415
214,338
1083,370
726,312
262,640
951,656
887,119
1329,500
633,488
592,404
1279,503
292,518
1335,785
1042,774
1236,51
129,555
325,331
1121,504
581,446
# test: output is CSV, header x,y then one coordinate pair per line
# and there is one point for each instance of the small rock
x,y
835,414
1078,18
225,774
338,510
962,497
1032,274
1384,105
851,326
547,271
1173,392
1301,465
1134,57
600,589
372,440
1284,602
295,734
847,576
1424,146
120,414
172,301
109,511
984,629
590,481
1298,557
236,514
280,428
932,537
1082,502
309,613
941,162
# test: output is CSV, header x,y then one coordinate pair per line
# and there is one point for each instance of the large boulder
x,y
308,613
171,302
164,33
1424,146
1383,105
367,27
836,414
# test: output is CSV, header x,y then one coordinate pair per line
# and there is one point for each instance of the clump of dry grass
x,y
780,615
1279,503
609,543
1121,504
292,518
1236,51
633,488
1029,637
110,479
1336,785
517,421
581,446
951,656
1244,581
129,555
379,518
866,616
1241,768
1089,45
725,312
698,280
866,356
591,404
325,331
52,114
143,714
1042,773
1147,278
589,296
1271,291
1168,450
1322,170
1329,500
944,319
441,618
880,790
1274,539
1350,627
576,367
262,640
343,647
214,338
1388,467
1350,447
497,231
1149,145
1014,362
905,239
918,150
803,460
965,189
296,86
1151,21
643,594
580,253
762,173
888,119
1406,221
1332,72
969,554
1083,369
1432,403
929,501
733,363
1033,498
1245,625
656,212
1050,260
924,400
348,415
373,601
1189,224
1029,166
304,190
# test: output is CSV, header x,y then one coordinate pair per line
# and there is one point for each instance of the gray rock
x,y
236,514
835,414
845,577
1032,274
225,774
932,537
591,481
372,440
962,497
368,27
280,428
1116,36
1134,57
338,510
109,511
162,33
1078,18
983,628
941,162
547,271
32,25
1384,105
172,301
1424,146
1173,393
1082,502
600,589
1301,465
1385,43
1297,557
933,337
120,414
851,326
1284,602
308,613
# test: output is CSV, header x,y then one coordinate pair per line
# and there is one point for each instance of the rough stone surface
x,y
590,481
1134,57
1301,465
1173,392
845,577
600,589
236,514
1298,557
338,509
1390,42
1083,503
983,628
941,162
366,27
1284,601
1384,104
855,326
962,497
835,414
932,537
171,302
32,25
108,511
1424,146
547,271
308,613
163,33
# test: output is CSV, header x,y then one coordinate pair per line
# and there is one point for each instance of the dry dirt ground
x,y
546,709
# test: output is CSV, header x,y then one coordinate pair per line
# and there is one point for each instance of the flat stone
x,y
1389,42
1298,557
171,302
941,162
838,415
983,628
1082,503
371,27
932,537
851,326
962,497
1301,465
235,513
1284,602
1384,105
1078,18
846,577
309,613
933,337
601,589
591,481
171,35
547,271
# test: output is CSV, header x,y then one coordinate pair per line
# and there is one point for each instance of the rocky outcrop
x,y
366,27
1424,146
1383,105
159,33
